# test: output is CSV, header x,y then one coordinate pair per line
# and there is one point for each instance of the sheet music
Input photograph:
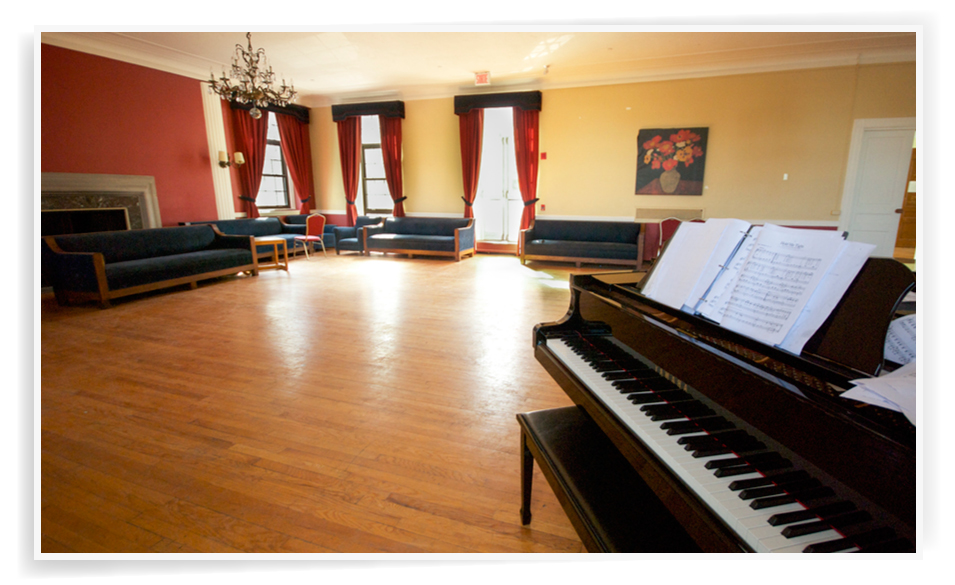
x,y
714,305
895,391
776,281
900,340
679,268
733,233
827,295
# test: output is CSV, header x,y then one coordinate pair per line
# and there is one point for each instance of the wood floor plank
x,y
352,404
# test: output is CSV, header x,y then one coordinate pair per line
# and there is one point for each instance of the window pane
x,y
271,193
273,159
374,164
370,131
273,132
378,196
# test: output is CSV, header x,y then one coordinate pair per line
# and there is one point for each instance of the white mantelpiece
x,y
136,193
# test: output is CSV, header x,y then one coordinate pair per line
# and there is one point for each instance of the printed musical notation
x,y
774,284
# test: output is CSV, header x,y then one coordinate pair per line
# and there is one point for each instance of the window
x,y
275,189
375,196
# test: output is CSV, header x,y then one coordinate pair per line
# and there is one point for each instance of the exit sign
x,y
482,78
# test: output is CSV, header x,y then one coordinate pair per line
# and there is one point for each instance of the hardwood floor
x,y
353,404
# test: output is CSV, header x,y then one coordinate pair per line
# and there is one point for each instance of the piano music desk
x,y
610,507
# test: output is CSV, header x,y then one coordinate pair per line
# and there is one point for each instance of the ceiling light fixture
x,y
250,81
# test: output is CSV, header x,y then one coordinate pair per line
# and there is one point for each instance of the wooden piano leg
x,y
527,478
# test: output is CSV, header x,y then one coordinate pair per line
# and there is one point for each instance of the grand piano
x,y
741,447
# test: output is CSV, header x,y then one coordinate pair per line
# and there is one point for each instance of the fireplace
x,y
76,192
82,203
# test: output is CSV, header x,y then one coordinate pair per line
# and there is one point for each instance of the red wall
x,y
108,117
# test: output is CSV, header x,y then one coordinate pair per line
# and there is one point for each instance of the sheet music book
x,y
774,284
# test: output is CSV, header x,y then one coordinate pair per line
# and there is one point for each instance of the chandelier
x,y
251,81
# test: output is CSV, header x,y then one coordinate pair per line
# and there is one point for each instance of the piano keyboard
x,y
758,493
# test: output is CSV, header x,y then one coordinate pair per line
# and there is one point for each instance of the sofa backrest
x,y
138,244
260,226
424,226
295,219
621,232
363,220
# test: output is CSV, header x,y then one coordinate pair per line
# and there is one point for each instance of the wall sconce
x,y
224,159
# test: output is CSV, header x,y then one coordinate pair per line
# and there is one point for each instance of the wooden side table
x,y
277,261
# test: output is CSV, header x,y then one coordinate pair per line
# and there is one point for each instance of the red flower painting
x,y
661,151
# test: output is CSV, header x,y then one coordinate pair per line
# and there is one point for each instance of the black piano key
x,y
711,452
616,375
837,522
721,437
698,424
775,490
659,383
800,496
688,409
866,540
654,397
810,513
731,471
777,479
759,460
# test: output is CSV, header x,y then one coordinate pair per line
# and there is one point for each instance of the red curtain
x,y
526,150
349,145
297,150
471,127
391,152
250,135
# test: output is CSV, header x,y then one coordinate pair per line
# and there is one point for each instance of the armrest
x,y
223,241
465,236
343,232
76,271
371,230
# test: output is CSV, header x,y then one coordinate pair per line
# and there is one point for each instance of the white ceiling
x,y
330,67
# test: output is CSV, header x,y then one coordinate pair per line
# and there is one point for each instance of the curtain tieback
x,y
467,203
531,202
244,198
305,199
400,199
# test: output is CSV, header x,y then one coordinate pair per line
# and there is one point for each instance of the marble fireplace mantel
x,y
135,193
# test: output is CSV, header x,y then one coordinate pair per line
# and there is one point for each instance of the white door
x,y
498,204
879,159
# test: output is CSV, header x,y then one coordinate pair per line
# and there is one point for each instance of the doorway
x,y
876,178
498,204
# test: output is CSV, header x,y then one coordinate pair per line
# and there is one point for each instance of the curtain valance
x,y
298,112
525,100
395,109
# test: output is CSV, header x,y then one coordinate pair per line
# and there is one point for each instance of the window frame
x,y
365,179
284,176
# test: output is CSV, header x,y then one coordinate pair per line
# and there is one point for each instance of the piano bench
x,y
609,505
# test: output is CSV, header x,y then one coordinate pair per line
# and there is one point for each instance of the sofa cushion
x,y
138,244
258,227
120,275
586,231
411,242
573,249
424,226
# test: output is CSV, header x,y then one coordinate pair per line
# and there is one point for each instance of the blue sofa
x,y
296,224
595,242
422,236
352,239
258,227
106,265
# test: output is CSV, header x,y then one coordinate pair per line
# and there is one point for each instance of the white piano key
x,y
751,525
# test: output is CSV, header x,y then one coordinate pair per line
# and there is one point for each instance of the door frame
x,y
859,128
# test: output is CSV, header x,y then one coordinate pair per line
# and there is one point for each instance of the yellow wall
x,y
761,126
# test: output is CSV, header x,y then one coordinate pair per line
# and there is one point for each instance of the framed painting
x,y
670,161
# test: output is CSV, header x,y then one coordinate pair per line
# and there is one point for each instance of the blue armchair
x,y
350,239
